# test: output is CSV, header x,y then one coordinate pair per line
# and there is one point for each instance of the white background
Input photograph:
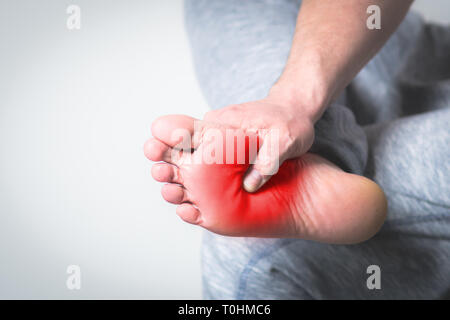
x,y
75,110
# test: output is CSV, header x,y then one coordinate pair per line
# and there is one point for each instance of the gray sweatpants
x,y
391,124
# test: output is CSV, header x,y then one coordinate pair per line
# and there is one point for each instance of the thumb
x,y
265,166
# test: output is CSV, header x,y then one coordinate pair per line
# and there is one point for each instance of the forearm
x,y
331,44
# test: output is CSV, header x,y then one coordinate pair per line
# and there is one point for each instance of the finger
x,y
225,117
264,167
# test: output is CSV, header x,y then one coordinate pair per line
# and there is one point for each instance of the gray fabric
x,y
392,124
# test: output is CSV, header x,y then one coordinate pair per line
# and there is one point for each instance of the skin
x,y
308,198
331,44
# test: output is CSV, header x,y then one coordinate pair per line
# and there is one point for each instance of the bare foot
x,y
308,198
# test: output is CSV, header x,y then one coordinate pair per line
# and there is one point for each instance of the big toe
x,y
173,129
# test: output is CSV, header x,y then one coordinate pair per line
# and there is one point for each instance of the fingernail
x,y
252,181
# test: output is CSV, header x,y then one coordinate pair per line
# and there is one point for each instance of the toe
x,y
173,129
164,172
174,193
189,213
156,150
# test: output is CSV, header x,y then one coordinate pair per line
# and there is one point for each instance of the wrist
x,y
305,85
310,102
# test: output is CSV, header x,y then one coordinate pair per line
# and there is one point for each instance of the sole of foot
x,y
308,198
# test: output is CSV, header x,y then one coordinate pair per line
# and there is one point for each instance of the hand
x,y
271,118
